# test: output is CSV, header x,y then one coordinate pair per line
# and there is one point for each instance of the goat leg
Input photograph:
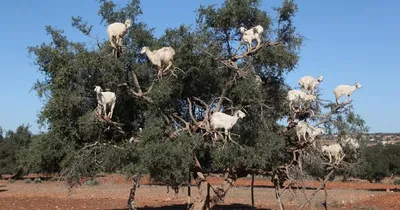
x,y
337,101
258,42
105,110
112,110
298,136
169,66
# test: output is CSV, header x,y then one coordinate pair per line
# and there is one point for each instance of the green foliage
x,y
168,162
27,181
396,182
314,165
44,154
380,161
11,145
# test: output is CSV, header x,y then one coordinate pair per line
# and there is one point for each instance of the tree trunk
x,y
252,191
326,197
189,190
131,199
318,189
204,198
201,201
277,195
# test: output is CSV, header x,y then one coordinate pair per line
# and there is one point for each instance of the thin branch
x,y
136,83
253,51
150,88
97,41
190,110
333,111
322,184
221,99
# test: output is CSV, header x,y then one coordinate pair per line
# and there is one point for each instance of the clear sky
x,y
347,42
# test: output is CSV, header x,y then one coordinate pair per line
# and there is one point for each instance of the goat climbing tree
x,y
173,112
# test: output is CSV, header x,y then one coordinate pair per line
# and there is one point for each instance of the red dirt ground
x,y
113,191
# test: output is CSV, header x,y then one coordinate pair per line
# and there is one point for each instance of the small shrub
x,y
37,180
92,182
27,181
397,181
11,180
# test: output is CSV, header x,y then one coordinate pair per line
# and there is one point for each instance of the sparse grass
x,y
11,180
27,181
92,182
397,181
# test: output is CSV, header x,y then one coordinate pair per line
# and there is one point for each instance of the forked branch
x,y
139,93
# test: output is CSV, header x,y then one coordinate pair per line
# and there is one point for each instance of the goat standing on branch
x,y
162,58
116,32
302,129
252,34
347,90
333,150
222,120
296,95
309,83
105,99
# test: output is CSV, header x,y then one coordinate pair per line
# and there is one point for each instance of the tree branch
x,y
322,183
254,50
139,93
334,110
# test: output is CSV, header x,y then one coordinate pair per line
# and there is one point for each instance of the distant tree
x,y
10,145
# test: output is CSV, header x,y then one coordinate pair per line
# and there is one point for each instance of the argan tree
x,y
161,126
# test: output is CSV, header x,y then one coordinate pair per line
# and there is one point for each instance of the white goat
x,y
352,142
309,83
302,129
116,32
313,133
333,150
295,95
222,120
160,57
105,99
258,80
347,90
252,34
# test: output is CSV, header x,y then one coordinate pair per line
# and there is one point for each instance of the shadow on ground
x,y
184,207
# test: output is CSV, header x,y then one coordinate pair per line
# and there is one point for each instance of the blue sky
x,y
346,42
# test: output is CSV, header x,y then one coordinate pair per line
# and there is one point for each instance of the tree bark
x,y
131,199
189,190
277,195
326,196
318,189
252,190
205,199
202,185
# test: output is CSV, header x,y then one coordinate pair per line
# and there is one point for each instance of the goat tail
x,y
259,29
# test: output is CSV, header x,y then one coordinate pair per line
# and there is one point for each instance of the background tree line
x,y
22,150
